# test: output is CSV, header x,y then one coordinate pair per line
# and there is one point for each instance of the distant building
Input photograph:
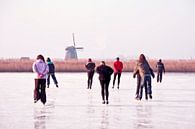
x,y
25,58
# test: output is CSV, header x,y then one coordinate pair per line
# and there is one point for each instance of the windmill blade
x,y
73,39
79,48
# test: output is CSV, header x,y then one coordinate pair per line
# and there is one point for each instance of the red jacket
x,y
118,67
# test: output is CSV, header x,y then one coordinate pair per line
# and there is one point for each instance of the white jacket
x,y
40,68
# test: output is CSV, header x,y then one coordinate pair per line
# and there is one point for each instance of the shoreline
x,y
25,65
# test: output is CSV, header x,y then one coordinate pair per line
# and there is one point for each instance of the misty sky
x,y
105,28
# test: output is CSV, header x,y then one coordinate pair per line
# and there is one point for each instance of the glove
x,y
41,75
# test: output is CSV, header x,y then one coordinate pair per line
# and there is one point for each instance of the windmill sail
x,y
73,40
79,47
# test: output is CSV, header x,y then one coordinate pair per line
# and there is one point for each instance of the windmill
x,y
71,51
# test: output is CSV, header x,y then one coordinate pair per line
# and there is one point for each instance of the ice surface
x,y
73,106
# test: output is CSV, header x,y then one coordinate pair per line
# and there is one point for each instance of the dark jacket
x,y
104,72
90,66
51,67
160,67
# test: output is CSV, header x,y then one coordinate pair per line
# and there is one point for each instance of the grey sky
x,y
105,28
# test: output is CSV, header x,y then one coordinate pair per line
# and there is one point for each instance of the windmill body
x,y
71,51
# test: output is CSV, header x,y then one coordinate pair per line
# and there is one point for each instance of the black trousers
x,y
159,76
90,79
104,88
39,91
119,77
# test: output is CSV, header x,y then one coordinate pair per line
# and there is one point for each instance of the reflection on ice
x,y
144,116
42,114
72,106
104,119
39,119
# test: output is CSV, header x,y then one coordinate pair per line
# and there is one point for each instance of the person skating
x,y
105,73
90,66
145,72
51,73
41,69
118,67
160,70
138,84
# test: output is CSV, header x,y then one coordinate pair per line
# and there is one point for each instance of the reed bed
x,y
20,65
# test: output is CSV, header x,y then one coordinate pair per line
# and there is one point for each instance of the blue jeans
x,y
146,83
53,77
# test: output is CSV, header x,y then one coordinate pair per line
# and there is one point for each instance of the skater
x,y
118,67
138,84
90,66
160,70
145,72
41,69
105,73
51,73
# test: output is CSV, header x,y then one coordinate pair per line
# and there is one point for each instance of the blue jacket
x,y
51,67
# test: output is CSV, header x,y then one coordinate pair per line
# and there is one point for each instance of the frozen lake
x,y
72,106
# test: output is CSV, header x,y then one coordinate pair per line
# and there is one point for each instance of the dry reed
x,y
18,65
